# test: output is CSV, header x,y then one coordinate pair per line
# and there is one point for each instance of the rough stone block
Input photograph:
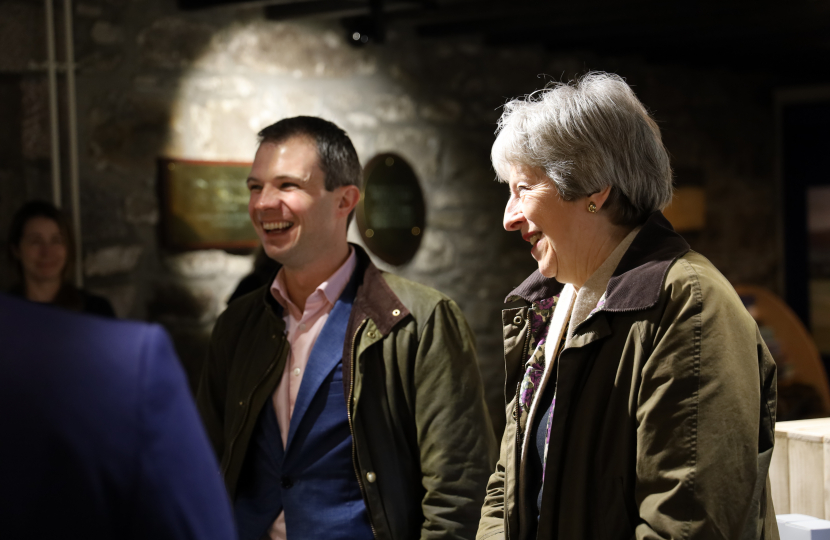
x,y
22,35
435,254
141,209
173,43
395,108
112,260
35,135
443,111
209,263
106,33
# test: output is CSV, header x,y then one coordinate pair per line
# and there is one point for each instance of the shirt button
x,y
371,477
286,482
296,372
396,312
370,334
517,319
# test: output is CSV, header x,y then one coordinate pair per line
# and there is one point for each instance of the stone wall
x,y
153,82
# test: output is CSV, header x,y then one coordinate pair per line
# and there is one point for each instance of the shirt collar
x,y
330,289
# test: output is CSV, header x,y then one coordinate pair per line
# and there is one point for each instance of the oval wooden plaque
x,y
391,214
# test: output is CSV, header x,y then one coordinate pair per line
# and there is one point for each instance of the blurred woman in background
x,y
43,250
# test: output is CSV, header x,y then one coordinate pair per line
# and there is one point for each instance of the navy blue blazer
x,y
313,477
99,436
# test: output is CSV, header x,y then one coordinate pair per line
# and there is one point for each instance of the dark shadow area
x,y
806,143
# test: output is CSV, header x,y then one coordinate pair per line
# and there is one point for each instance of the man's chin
x,y
278,254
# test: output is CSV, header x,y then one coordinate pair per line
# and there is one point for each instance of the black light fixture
x,y
365,29
358,38
362,30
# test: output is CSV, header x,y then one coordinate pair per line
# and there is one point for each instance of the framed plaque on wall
x,y
204,205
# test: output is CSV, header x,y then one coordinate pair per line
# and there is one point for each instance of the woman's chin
x,y
45,277
547,270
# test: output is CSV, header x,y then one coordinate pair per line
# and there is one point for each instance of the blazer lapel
x,y
325,355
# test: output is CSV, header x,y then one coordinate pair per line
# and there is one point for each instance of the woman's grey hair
x,y
586,135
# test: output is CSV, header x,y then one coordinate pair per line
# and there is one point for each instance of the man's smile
x,y
276,226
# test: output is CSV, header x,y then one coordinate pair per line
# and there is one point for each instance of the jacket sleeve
x,y
455,436
491,525
180,494
705,413
213,387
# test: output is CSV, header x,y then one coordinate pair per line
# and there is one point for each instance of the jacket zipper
x,y
526,349
353,370
248,405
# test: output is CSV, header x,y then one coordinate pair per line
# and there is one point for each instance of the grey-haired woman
x,y
641,395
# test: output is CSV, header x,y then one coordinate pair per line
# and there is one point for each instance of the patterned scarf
x,y
541,314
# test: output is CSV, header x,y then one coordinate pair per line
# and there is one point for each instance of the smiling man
x,y
342,401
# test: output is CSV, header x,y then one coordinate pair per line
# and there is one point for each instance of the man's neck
x,y
42,291
301,282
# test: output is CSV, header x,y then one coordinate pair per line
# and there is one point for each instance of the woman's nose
x,y
513,216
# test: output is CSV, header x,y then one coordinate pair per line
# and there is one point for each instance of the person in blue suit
x,y
100,436
343,403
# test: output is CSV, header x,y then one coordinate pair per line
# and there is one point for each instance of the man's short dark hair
x,y
335,151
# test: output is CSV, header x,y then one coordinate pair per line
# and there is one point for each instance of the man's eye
x,y
289,185
254,187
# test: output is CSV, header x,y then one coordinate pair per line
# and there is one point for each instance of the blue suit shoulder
x,y
101,430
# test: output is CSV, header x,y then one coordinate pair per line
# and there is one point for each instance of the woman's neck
x,y
42,291
605,241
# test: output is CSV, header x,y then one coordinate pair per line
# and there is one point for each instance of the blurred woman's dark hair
x,y
35,209
68,296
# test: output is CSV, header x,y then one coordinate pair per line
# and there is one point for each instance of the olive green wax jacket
x,y
665,409
413,392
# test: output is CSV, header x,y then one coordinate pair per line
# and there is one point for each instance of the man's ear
x,y
349,197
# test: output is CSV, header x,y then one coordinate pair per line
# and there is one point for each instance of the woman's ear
x,y
600,197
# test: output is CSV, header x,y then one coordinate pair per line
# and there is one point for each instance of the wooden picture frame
x,y
204,205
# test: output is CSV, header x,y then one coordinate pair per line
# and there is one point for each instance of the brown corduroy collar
x,y
374,299
636,282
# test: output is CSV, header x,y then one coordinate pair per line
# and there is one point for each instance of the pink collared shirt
x,y
302,328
